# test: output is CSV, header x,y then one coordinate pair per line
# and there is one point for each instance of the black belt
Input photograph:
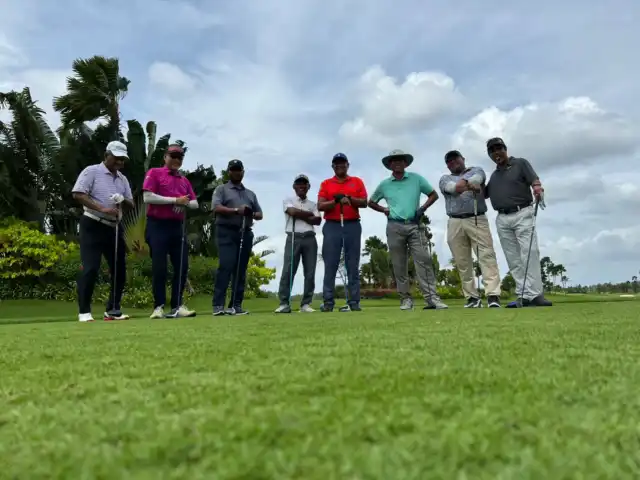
x,y
351,220
466,215
411,221
303,234
517,208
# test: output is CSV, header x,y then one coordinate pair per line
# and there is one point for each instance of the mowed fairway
x,y
380,394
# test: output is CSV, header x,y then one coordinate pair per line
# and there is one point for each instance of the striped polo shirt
x,y
99,184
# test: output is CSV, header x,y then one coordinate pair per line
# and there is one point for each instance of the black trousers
x,y
228,239
98,240
305,247
165,239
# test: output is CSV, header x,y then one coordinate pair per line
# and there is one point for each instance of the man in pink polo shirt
x,y
168,193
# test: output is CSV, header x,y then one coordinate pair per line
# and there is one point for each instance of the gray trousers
x,y
402,240
514,232
305,247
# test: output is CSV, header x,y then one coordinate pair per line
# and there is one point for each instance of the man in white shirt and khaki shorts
x,y
301,218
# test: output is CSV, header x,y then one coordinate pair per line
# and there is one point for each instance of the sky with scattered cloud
x,y
284,84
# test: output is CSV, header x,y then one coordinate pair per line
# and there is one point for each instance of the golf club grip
x,y
535,209
341,214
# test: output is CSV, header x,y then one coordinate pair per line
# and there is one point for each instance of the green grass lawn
x,y
380,394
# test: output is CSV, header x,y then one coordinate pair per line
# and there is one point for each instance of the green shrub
x,y
25,252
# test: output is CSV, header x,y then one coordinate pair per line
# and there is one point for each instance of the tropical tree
x,y
93,92
564,280
27,148
508,283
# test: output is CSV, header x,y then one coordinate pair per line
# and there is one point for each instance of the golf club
x,y
182,243
114,283
526,265
475,216
293,246
342,249
424,230
235,279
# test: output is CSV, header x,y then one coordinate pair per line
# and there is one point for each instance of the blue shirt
x,y
462,203
99,184
403,195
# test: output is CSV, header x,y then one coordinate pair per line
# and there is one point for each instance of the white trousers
x,y
514,231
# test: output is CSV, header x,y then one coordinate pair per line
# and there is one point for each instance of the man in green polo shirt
x,y
401,192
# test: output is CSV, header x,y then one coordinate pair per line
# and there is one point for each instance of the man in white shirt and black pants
x,y
301,217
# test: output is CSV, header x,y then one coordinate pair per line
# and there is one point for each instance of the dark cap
x,y
339,157
235,164
301,179
492,142
452,154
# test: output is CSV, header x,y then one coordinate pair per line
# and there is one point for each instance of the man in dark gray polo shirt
x,y
509,190
233,202
468,230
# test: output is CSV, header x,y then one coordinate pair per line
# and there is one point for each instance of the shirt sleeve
x,y
190,192
287,203
150,183
218,197
361,190
473,172
84,182
528,172
378,193
322,192
425,186
127,189
256,205
316,212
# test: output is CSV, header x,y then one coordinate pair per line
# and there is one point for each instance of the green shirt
x,y
402,196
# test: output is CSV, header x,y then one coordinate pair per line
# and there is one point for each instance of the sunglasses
x,y
176,155
495,148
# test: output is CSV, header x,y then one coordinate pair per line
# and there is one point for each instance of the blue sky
x,y
285,84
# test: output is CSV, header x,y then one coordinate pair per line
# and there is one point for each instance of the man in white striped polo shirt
x,y
102,189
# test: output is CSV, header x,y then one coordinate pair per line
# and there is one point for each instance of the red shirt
x,y
166,183
351,186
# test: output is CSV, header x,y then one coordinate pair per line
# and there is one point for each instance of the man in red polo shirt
x,y
167,193
340,198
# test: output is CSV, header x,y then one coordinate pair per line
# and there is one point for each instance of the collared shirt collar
x,y
505,166
404,176
173,173
239,186
336,179
104,169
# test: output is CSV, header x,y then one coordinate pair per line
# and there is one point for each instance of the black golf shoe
x,y
473,303
493,301
539,301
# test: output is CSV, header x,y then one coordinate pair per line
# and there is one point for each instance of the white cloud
x,y
274,86
572,131
389,111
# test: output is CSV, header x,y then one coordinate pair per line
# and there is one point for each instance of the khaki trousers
x,y
463,236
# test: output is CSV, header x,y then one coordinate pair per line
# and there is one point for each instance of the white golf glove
x,y
542,204
117,198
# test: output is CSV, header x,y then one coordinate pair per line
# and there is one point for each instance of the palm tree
x,y
27,147
94,92
564,279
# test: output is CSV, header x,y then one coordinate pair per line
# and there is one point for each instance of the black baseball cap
x,y
301,179
496,141
451,155
235,165
339,157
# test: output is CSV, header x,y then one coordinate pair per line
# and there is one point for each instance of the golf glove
x,y
338,198
117,198
419,213
542,204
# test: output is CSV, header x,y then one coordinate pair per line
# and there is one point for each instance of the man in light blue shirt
x,y
405,234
